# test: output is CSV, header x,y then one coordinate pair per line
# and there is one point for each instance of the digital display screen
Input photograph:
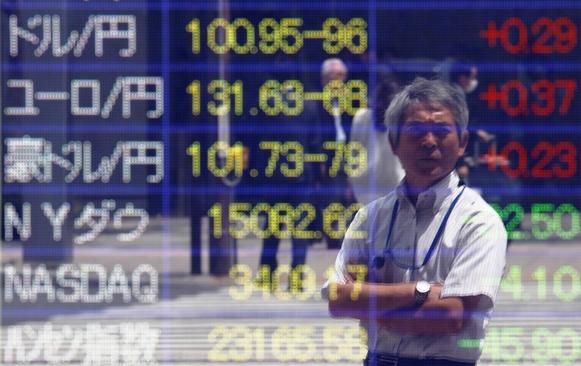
x,y
178,176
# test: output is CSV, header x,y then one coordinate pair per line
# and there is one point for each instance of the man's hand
x,y
485,135
355,278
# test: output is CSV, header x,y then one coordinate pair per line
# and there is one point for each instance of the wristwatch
x,y
421,293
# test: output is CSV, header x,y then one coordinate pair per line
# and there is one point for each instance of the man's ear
x,y
464,142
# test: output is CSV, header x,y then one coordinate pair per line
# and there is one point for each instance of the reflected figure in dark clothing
x,y
297,133
335,126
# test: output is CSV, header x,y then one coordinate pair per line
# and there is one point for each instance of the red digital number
x,y
553,36
546,152
567,153
548,160
520,108
521,30
514,97
562,31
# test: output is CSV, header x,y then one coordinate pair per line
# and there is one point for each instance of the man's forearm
x,y
366,300
392,306
435,316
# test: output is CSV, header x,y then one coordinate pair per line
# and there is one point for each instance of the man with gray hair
x,y
421,267
334,69
335,127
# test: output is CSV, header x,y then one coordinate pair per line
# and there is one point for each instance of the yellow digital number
x,y
235,44
338,148
232,158
355,158
304,345
334,34
285,221
274,147
339,36
303,282
194,90
281,220
293,343
194,151
243,347
288,30
359,271
292,102
293,151
238,216
335,343
193,27
279,292
213,27
221,336
264,282
335,218
270,98
242,276
305,214
269,33
354,231
284,36
334,92
356,28
261,209
215,213
282,347
355,344
230,40
330,273
286,98
333,223
355,94
236,343
222,93
239,35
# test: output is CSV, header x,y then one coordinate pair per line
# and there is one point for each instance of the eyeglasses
x,y
419,129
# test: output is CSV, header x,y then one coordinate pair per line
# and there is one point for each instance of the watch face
x,y
423,287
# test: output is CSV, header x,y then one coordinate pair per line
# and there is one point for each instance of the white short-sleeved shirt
x,y
469,260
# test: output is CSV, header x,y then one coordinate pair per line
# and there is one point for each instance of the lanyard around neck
x,y
387,249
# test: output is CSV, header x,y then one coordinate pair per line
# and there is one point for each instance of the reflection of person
x,y
302,178
384,170
334,69
434,249
464,76
475,165
335,126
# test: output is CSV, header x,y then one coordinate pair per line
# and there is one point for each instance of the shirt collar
x,y
435,195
